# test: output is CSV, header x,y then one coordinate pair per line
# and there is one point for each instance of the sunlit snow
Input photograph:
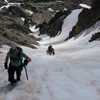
x,y
50,9
29,11
6,1
23,19
85,6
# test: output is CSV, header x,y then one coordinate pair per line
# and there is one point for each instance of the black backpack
x,y
14,50
19,49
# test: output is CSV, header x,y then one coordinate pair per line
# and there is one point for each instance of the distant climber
x,y
50,50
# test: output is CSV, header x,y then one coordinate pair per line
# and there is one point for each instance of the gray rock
x,y
1,3
95,36
17,11
12,30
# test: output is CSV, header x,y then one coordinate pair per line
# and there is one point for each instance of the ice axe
x,y
26,72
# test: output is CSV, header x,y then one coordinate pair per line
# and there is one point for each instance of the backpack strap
x,y
19,56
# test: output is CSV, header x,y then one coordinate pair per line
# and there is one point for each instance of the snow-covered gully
x,y
73,73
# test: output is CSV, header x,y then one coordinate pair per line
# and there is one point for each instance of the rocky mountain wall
x,y
54,27
86,19
55,24
13,30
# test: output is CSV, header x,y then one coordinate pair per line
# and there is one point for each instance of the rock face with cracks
x,y
54,27
13,30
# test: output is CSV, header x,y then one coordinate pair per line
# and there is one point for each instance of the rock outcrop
x,y
17,11
1,3
95,36
87,18
54,27
73,4
13,30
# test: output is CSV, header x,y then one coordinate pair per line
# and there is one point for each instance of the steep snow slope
x,y
73,73
69,22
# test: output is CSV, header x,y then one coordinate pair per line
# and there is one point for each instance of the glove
x,y
5,65
25,62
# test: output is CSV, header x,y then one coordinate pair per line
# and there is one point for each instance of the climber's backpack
x,y
14,50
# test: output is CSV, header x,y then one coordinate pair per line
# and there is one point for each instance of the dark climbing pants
x,y
11,72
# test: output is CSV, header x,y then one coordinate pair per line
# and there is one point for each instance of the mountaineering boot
x,y
13,81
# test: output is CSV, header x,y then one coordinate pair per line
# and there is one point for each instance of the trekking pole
x,y
26,72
